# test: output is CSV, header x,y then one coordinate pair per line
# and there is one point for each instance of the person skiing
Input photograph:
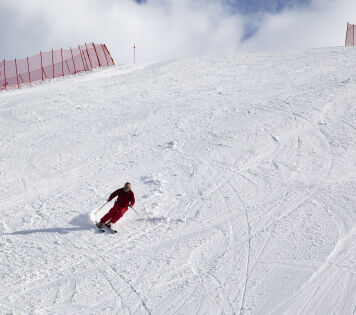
x,y
125,199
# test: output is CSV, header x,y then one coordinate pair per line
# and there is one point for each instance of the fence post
x,y
86,63
41,65
52,65
347,29
134,59
91,66
113,63
43,70
96,55
62,62
21,78
17,76
67,66
75,71
84,69
28,70
106,58
5,73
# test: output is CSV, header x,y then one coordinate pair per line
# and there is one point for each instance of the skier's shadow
x,y
81,223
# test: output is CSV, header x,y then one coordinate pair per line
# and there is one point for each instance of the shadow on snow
x,y
81,223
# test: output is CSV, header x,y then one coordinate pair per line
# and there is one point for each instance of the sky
x,y
172,29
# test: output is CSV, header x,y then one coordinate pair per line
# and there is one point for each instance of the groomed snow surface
x,y
244,168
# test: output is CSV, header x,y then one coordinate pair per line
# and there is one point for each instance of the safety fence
x,y
350,35
53,64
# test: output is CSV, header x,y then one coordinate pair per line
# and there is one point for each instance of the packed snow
x,y
244,168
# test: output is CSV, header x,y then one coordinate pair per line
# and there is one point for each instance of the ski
x,y
111,230
99,228
105,228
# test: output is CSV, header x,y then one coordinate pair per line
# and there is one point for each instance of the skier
x,y
125,199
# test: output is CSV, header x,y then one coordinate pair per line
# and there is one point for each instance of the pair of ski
x,y
106,228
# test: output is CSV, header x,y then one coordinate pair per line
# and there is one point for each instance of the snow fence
x,y
350,35
53,64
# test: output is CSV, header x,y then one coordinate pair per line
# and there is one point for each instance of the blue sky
x,y
255,6
169,29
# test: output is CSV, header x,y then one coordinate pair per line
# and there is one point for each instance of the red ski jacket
x,y
123,198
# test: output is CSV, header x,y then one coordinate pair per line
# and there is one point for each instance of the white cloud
x,y
322,24
160,29
165,29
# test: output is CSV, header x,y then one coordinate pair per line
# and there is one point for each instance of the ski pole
x,y
138,213
101,207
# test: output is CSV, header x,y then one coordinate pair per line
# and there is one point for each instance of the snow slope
x,y
244,167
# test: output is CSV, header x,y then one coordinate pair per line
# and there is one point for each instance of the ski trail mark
x,y
142,301
248,248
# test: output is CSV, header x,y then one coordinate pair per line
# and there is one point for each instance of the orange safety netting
x,y
350,35
53,64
